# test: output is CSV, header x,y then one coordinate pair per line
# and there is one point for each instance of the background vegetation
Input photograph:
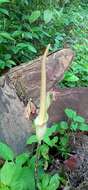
x,y
27,26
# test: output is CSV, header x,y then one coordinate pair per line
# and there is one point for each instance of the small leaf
x,y
70,113
34,16
54,182
48,15
4,11
47,141
74,126
63,125
27,35
83,127
50,131
64,140
54,141
7,57
6,152
79,119
4,1
17,33
70,77
23,46
6,35
2,64
22,158
45,181
32,48
44,149
10,63
32,139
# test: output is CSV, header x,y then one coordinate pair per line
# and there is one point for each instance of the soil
x,y
78,177
75,167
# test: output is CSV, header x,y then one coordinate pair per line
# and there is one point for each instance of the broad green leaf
x,y
34,16
32,139
6,152
17,177
6,35
8,172
48,15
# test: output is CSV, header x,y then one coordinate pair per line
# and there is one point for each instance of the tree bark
x,y
24,82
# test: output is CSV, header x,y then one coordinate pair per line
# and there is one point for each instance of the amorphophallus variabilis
x,y
40,121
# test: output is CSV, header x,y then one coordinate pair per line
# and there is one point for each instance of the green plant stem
x,y
36,165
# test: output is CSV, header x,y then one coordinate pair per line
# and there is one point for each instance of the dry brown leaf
x,y
30,109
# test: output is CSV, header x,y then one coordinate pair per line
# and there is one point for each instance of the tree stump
x,y
24,82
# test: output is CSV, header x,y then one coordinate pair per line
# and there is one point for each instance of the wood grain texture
x,y
27,76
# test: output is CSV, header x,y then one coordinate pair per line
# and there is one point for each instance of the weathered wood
x,y
26,77
75,98
14,128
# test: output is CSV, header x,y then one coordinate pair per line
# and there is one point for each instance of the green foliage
x,y
48,15
78,38
76,122
49,183
34,16
61,140
32,139
26,27
6,152
18,172
13,177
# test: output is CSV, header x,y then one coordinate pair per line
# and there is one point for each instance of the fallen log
x,y
74,98
26,78
24,81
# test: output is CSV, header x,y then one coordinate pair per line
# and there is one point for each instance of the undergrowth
x,y
26,27
18,172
